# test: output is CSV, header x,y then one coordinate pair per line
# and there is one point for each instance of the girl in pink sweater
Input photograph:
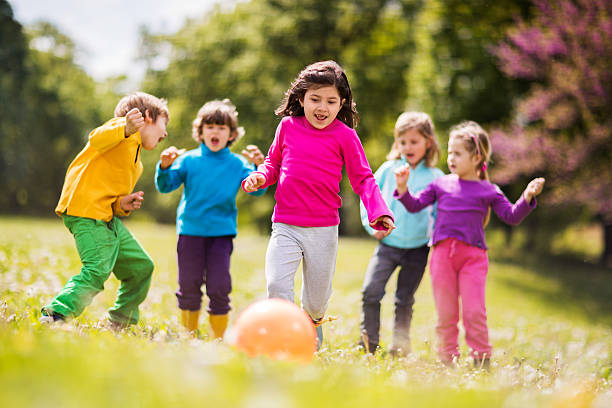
x,y
313,142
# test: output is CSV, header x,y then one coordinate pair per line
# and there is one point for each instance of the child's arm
x,y
513,214
380,176
533,189
253,154
124,205
251,184
115,131
168,156
364,185
269,170
412,203
168,177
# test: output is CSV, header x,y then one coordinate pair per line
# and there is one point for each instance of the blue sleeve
x,y
171,178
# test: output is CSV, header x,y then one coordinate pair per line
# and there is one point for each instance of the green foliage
x,y
50,105
550,324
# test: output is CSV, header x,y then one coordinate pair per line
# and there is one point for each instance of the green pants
x,y
105,247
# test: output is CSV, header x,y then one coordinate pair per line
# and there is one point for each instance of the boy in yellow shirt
x,y
98,187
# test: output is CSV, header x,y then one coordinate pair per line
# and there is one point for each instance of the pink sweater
x,y
307,164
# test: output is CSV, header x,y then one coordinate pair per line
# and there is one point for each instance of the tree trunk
x,y
606,256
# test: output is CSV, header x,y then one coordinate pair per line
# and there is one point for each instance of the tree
x,y
563,127
251,53
52,106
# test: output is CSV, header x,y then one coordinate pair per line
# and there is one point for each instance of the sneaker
x,y
49,317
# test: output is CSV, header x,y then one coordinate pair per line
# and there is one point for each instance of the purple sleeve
x,y
509,213
270,168
362,180
418,202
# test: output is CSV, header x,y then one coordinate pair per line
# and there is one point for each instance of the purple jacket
x,y
463,206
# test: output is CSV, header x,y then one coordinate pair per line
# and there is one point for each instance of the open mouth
x,y
320,117
214,141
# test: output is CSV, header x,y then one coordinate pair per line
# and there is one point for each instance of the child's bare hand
x,y
379,235
253,154
133,122
169,155
401,178
253,182
132,201
384,224
534,188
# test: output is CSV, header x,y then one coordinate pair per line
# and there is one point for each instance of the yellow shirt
x,y
104,171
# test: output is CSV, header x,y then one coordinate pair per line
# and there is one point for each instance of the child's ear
x,y
342,102
148,117
301,101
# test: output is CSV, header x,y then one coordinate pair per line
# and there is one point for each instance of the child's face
x,y
153,132
321,105
215,137
413,146
460,161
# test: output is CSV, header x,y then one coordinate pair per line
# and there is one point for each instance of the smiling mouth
x,y
320,117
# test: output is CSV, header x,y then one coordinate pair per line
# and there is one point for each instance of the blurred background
x,y
534,73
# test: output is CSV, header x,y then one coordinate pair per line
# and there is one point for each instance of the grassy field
x,y
550,323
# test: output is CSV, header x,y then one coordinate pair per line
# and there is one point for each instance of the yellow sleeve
x,y
117,210
108,135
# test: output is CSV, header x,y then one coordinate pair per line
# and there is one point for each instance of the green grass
x,y
550,323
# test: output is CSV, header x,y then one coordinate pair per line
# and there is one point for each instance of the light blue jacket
x,y
413,230
212,180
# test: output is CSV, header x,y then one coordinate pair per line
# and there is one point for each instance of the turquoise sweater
x,y
412,229
212,180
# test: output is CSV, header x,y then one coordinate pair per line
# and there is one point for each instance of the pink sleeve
x,y
362,180
271,165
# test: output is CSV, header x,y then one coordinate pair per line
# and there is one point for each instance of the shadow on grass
x,y
583,288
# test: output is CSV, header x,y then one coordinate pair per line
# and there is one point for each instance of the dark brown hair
x,y
317,75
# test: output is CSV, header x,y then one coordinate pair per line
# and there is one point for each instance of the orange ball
x,y
276,328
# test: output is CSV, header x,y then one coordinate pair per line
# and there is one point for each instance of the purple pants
x,y
204,260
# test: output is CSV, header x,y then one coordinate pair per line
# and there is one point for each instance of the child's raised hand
x,y
534,188
132,201
401,178
384,224
133,122
168,156
253,154
253,182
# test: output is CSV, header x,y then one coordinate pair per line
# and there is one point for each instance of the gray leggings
x,y
317,248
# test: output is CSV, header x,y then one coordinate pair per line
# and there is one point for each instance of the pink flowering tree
x,y
563,125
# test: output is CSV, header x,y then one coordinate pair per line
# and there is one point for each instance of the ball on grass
x,y
276,328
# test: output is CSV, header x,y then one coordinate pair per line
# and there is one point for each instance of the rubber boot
x,y
189,319
218,324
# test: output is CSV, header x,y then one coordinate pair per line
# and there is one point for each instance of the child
x,y
415,145
97,189
313,141
206,216
459,261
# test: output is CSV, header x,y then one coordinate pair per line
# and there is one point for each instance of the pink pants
x,y
459,270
